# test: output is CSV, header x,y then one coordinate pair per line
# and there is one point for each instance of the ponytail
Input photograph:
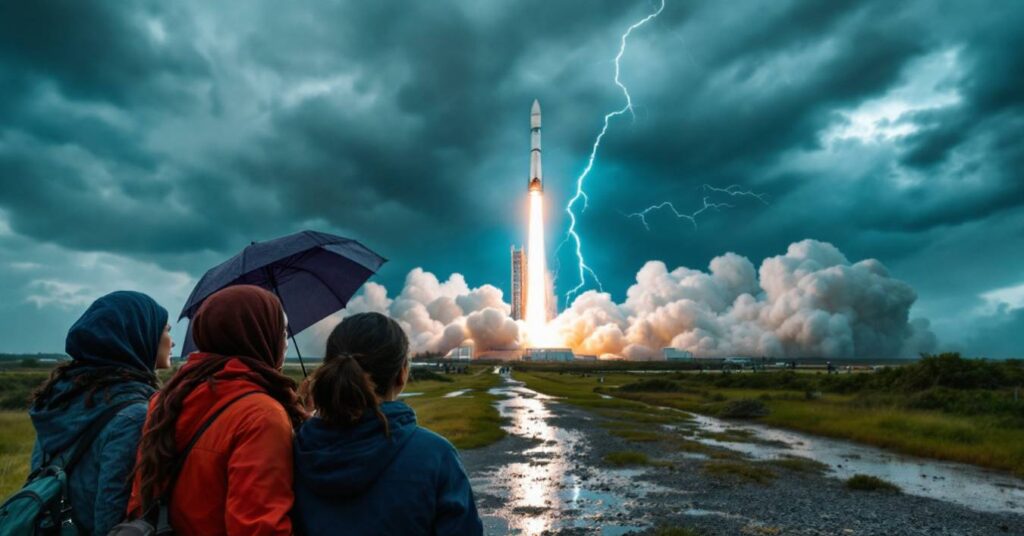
x,y
364,356
343,392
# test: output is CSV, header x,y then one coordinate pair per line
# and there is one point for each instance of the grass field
x,y
468,421
16,440
993,440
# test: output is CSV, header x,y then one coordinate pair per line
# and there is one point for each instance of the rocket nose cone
x,y
536,107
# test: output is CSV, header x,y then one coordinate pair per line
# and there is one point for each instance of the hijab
x,y
241,320
121,329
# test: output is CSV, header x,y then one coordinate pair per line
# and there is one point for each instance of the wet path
x,y
545,486
547,476
967,485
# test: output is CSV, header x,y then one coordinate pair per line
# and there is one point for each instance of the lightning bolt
x,y
732,191
583,267
692,217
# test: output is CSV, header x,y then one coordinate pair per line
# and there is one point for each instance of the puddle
x,y
454,394
967,485
407,395
550,491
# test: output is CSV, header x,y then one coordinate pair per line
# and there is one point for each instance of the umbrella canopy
x,y
313,273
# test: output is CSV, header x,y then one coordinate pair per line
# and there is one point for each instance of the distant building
x,y
675,354
462,352
518,283
499,355
548,354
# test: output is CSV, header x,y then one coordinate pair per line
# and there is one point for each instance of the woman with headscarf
x,y
114,347
238,477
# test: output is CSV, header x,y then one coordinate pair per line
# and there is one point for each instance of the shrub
x,y
657,385
744,408
624,458
743,470
421,374
870,483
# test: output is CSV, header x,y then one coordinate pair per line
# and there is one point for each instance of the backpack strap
x,y
72,454
183,455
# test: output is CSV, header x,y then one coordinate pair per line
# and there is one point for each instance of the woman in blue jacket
x,y
115,348
362,465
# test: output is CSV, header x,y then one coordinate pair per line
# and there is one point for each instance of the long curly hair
x,y
88,379
243,323
159,449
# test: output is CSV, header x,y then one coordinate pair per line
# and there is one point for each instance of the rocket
x,y
536,181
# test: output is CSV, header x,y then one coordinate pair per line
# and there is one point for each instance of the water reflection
x,y
551,489
970,486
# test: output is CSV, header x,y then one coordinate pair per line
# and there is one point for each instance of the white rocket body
x,y
536,174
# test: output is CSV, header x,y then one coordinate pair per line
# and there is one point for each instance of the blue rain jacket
x,y
100,483
121,330
354,480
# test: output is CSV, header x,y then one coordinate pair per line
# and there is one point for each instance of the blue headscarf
x,y
121,329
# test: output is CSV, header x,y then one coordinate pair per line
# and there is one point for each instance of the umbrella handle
x,y
298,353
273,283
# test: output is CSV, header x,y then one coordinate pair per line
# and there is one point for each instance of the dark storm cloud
x,y
96,51
176,133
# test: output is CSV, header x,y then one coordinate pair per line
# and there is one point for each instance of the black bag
x,y
156,520
43,505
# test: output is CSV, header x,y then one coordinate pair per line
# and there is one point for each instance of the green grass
x,y
870,483
639,436
798,465
987,440
978,440
675,531
629,458
17,385
16,439
740,470
468,421
625,458
586,392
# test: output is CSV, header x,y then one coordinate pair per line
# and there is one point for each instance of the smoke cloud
x,y
809,302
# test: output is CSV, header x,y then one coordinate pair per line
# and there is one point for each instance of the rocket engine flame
x,y
536,281
538,331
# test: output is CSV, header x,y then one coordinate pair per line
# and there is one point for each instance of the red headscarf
x,y
241,320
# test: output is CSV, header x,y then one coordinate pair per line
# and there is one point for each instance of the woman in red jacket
x,y
238,477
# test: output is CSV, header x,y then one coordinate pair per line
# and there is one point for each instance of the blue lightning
x,y
692,217
583,267
732,191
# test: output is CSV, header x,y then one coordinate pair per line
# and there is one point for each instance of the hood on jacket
x,y
121,329
57,428
346,460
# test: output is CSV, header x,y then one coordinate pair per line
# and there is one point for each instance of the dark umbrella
x,y
314,274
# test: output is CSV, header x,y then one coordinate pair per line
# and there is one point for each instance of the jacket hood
x,y
121,329
57,428
346,460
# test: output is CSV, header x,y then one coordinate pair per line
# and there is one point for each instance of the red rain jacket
x,y
238,478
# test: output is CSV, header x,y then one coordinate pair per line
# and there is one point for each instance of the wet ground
x,y
548,477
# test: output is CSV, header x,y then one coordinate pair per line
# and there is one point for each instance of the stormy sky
x,y
143,142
